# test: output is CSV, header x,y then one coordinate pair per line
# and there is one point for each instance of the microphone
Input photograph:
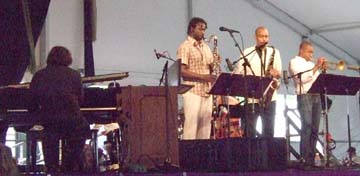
x,y
158,55
262,46
285,77
222,28
229,64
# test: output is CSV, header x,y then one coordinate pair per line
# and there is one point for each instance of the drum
x,y
224,100
112,146
220,123
235,127
221,128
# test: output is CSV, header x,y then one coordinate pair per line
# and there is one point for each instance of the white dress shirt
x,y
297,65
255,63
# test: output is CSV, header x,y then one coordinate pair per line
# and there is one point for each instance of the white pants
x,y
197,111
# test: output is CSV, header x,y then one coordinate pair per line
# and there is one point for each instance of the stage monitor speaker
x,y
234,154
145,139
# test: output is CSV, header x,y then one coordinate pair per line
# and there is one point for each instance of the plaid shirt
x,y
198,57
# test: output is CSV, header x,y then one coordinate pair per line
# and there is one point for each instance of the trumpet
x,y
339,65
353,67
328,65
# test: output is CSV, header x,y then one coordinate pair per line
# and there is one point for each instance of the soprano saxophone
x,y
219,121
268,94
215,70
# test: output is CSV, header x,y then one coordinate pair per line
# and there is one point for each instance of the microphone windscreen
x,y
229,64
285,77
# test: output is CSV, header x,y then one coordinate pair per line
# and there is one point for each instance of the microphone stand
x,y
164,73
287,124
298,75
158,56
167,162
351,162
245,64
242,56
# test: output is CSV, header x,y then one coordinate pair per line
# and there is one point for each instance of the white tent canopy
x,y
129,30
334,25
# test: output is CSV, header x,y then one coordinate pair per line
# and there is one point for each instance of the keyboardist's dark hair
x,y
59,55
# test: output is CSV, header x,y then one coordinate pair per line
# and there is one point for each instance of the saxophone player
x,y
196,58
264,61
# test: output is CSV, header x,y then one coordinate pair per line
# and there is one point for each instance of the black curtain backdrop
x,y
14,44
89,30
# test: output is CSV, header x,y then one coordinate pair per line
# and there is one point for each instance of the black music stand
x,y
329,84
239,85
228,84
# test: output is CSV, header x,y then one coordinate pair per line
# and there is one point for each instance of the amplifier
x,y
234,154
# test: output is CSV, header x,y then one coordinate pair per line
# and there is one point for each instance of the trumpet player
x,y
196,58
304,73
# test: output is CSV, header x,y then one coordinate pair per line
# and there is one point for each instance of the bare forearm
x,y
192,75
186,73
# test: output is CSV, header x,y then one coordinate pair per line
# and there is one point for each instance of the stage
x,y
333,171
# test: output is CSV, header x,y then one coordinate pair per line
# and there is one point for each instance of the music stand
x,y
329,84
239,85
228,84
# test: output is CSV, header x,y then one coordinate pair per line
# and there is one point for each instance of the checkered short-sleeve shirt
x,y
198,57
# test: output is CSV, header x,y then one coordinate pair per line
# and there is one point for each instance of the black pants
x,y
3,130
73,133
267,115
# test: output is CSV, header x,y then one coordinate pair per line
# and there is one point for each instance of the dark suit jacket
x,y
57,91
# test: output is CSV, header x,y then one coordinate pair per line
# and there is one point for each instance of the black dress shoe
x,y
312,167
